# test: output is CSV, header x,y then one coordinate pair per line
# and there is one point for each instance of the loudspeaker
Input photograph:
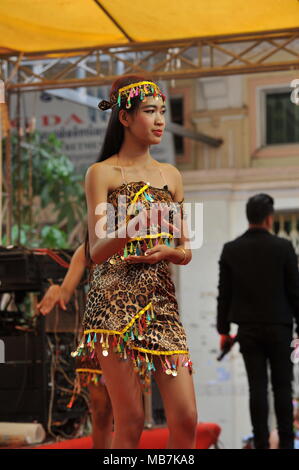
x,y
23,379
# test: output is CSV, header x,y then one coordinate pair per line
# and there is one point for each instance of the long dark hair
x,y
115,131
86,250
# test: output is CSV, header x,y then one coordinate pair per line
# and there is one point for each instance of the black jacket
x,y
258,281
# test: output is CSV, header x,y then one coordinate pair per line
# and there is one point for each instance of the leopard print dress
x,y
135,303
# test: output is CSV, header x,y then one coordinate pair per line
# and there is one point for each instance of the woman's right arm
x,y
96,189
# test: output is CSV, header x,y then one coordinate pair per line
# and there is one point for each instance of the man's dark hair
x,y
258,207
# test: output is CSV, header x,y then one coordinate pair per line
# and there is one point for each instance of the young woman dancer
x,y
131,321
87,372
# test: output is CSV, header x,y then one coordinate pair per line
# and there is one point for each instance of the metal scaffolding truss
x,y
189,58
168,60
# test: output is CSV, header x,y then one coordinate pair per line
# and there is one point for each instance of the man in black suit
x,y
259,290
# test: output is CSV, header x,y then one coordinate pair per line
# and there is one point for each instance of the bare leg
x,y
274,439
101,414
126,398
179,404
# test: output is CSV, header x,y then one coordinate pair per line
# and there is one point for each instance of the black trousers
x,y
260,345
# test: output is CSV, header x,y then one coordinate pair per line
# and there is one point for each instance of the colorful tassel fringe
x,y
141,89
83,378
122,344
138,245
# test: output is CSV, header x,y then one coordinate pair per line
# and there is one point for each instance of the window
x,y
282,119
177,116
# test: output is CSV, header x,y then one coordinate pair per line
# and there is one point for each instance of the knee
x,y
133,424
282,380
102,417
190,420
259,388
186,421
101,411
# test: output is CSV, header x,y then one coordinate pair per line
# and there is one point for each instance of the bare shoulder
x,y
99,172
100,168
175,180
172,170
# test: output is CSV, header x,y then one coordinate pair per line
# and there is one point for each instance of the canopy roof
x,y
62,25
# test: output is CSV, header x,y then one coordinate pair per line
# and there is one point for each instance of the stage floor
x,y
156,438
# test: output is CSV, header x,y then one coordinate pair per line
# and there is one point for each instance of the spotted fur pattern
x,y
117,292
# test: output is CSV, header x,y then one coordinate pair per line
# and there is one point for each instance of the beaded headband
x,y
141,89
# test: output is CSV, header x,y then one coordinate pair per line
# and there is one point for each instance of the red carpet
x,y
207,435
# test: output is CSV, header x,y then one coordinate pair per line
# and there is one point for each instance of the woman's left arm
x,y
182,253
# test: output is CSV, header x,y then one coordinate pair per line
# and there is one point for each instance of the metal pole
x,y
8,176
1,109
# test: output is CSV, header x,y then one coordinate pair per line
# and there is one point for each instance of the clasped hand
x,y
140,223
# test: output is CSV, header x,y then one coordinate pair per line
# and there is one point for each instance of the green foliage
x,y
57,185
54,237
24,235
